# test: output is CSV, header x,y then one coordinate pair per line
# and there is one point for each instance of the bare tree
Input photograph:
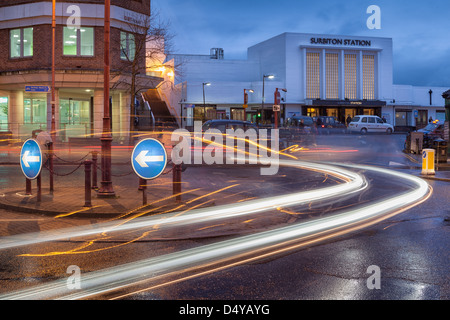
x,y
144,43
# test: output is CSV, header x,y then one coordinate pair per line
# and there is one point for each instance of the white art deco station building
x,y
330,75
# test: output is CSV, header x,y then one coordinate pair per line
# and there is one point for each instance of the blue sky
x,y
420,28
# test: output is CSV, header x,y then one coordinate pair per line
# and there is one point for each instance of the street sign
x,y
31,159
416,114
276,108
42,89
149,159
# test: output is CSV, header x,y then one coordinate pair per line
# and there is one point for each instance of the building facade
x,y
26,63
329,75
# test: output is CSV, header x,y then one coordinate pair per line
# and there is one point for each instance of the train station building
x,y
322,75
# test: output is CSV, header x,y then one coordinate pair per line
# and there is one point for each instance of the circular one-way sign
x,y
149,159
31,159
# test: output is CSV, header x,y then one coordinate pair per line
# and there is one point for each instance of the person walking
x,y
348,120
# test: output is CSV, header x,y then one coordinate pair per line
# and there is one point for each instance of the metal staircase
x,y
156,112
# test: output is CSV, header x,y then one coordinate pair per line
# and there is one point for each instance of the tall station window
x,y
127,46
351,76
332,75
35,111
21,43
369,77
78,42
312,75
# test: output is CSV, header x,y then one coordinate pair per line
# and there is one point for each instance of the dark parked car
x,y
223,125
300,125
432,132
329,125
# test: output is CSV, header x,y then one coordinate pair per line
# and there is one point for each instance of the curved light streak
x,y
125,275
353,182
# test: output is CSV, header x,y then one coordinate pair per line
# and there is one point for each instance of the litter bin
x,y
440,145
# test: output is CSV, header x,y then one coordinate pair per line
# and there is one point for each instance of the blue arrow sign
x,y
31,159
149,159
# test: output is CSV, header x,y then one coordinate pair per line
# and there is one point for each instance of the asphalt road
x,y
410,249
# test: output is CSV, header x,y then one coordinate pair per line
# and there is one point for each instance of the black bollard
x,y
87,184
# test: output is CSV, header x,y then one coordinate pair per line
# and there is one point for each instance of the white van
x,y
369,124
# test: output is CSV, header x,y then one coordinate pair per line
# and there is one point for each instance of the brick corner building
x,y
26,63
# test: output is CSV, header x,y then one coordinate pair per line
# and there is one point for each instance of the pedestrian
x,y
430,120
319,122
349,119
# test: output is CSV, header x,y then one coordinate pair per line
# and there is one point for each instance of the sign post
x,y
31,165
149,160
31,159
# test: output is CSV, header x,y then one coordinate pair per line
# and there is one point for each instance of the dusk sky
x,y
420,29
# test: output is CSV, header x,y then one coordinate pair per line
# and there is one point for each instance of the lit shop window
x,y
312,75
35,111
21,43
127,46
78,42
74,112
332,75
369,77
3,113
351,77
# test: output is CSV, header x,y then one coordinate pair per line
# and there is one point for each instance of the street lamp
x,y
268,76
204,106
106,190
246,101
53,102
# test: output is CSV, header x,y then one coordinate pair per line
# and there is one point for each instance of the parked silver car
x,y
369,124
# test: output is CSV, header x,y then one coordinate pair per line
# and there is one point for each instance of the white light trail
x,y
354,182
125,275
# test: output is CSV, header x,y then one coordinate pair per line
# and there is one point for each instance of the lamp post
x,y
246,102
53,102
277,101
204,106
268,76
106,190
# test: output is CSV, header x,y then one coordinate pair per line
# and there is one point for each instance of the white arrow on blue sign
x,y
149,159
31,159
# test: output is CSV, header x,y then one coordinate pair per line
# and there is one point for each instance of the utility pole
x,y
106,189
53,102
